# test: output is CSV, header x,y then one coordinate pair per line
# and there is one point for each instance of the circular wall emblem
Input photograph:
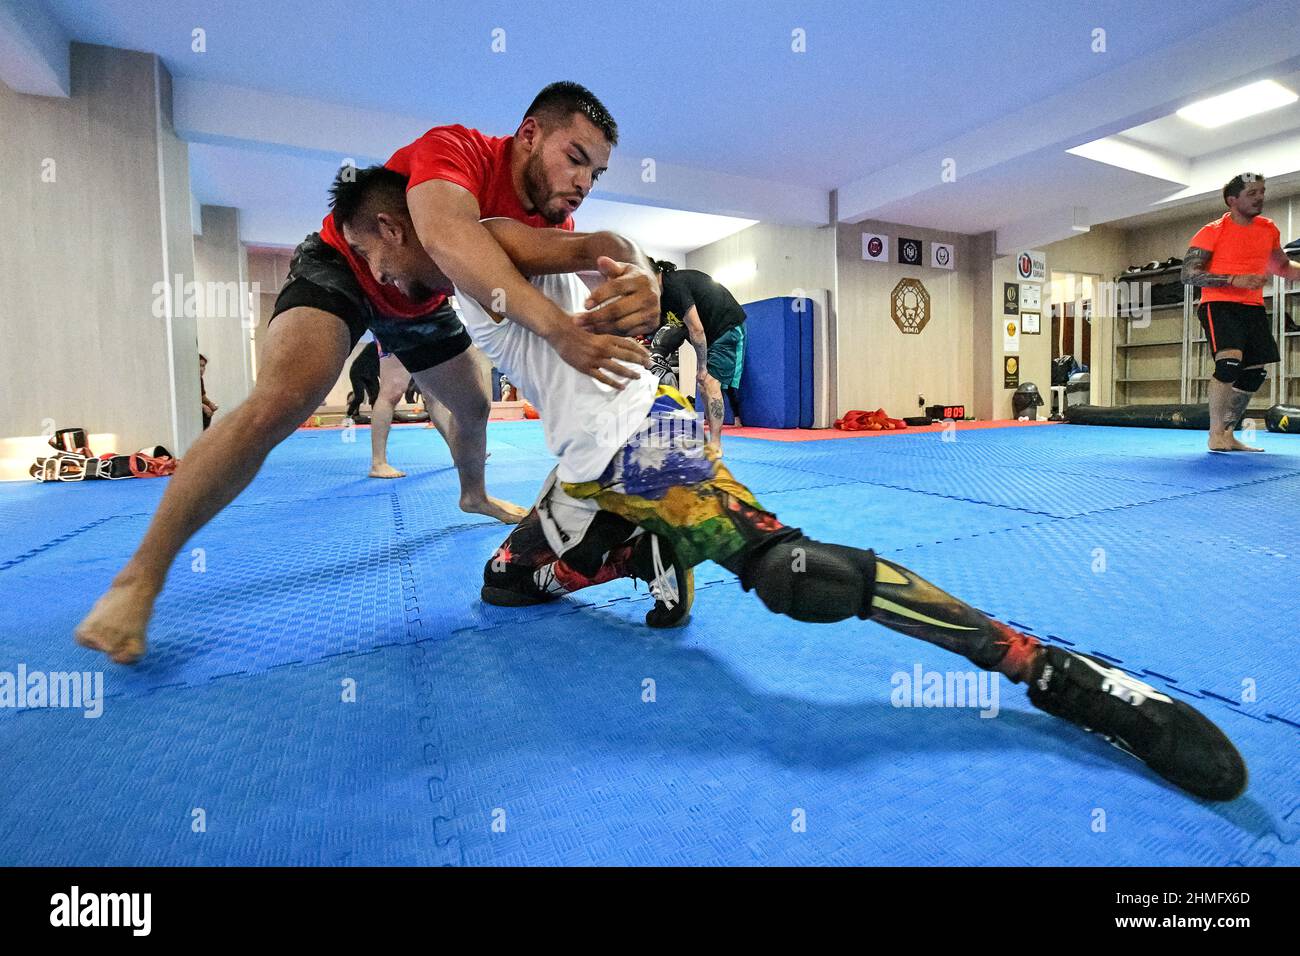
x,y
875,246
1011,294
1025,265
941,255
1012,364
1011,328
910,251
910,306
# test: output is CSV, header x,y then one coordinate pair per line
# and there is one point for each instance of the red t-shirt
x,y
1235,251
458,155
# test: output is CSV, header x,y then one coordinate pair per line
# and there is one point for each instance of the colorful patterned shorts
x,y
667,480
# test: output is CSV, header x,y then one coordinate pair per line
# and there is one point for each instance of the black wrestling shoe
x,y
504,597
512,586
1173,739
672,584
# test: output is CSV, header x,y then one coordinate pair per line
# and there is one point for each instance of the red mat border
x,y
819,434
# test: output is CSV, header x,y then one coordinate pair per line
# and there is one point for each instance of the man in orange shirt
x,y
1230,261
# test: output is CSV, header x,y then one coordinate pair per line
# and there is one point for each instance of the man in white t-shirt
x,y
638,488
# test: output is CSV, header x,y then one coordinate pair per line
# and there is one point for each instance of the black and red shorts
x,y
1233,325
320,278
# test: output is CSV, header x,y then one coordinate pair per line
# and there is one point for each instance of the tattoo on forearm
x,y
1194,273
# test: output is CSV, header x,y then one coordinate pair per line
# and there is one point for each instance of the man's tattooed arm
x,y
1194,263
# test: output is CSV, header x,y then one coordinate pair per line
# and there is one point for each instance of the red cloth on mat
x,y
860,421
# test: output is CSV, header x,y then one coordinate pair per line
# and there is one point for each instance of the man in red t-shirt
x,y
456,177
1230,260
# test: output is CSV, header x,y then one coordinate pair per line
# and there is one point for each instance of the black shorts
x,y
320,278
1232,325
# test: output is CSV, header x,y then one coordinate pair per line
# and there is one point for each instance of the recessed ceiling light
x,y
1238,104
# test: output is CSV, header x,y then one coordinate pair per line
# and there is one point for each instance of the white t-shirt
x,y
585,421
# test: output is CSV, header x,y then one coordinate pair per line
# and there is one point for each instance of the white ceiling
x,y
713,85
739,124
1185,138
1211,207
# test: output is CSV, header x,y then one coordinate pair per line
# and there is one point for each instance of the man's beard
x,y
538,194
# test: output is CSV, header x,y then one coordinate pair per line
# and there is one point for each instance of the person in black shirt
x,y
715,324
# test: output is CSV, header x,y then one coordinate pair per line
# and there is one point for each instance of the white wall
x,y
788,260
220,266
81,257
880,366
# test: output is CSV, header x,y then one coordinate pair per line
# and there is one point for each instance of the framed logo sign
x,y
1032,266
910,306
875,247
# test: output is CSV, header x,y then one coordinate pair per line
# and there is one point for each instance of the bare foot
x,y
385,471
117,623
503,511
1228,442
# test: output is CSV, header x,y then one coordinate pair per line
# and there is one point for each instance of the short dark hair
x,y
1234,186
559,101
663,265
361,194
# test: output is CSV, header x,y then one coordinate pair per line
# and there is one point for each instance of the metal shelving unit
x,y
1288,373
1131,350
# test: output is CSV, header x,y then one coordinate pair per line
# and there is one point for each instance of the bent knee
x,y
391,396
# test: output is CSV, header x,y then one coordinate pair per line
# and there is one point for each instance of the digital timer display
x,y
955,412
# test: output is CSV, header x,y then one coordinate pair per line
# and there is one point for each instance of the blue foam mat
x,y
520,735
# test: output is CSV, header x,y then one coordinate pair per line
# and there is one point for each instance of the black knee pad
x,y
1227,370
1250,379
812,581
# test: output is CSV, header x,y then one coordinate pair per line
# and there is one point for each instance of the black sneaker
x,y
672,584
1173,739
505,597
512,585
